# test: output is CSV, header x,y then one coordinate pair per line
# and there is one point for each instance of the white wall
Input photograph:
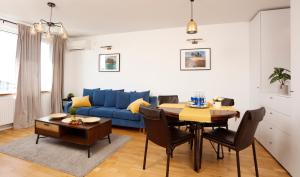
x,y
150,60
295,66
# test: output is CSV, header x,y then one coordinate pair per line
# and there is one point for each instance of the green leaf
x,y
286,76
279,74
274,79
272,75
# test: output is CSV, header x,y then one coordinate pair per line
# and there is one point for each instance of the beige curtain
x,y
58,69
28,63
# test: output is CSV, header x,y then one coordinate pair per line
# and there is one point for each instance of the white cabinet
x,y
275,44
274,132
255,60
269,48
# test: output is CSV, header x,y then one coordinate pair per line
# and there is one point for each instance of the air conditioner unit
x,y
78,44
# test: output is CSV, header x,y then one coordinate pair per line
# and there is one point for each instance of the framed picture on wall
x,y
109,62
195,59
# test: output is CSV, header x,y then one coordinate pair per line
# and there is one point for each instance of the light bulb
x,y
48,35
65,35
32,30
62,30
39,27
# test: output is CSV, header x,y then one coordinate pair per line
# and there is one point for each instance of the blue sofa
x,y
112,104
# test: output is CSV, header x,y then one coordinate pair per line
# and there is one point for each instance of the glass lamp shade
x,y
64,35
48,35
191,27
62,30
32,30
39,27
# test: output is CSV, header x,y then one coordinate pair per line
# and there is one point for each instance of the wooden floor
x,y
127,162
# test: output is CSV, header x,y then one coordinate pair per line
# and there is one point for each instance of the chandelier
x,y
49,27
192,25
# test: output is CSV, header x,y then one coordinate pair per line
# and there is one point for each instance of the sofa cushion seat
x,y
126,115
103,112
84,111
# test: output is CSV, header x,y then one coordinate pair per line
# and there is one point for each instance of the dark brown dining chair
x,y
167,99
239,140
158,131
171,99
219,124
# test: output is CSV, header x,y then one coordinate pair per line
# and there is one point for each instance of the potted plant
x,y
70,96
72,112
281,75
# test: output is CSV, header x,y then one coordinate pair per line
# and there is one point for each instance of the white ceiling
x,y
89,17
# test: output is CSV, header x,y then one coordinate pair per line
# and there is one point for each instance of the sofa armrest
x,y
153,101
67,106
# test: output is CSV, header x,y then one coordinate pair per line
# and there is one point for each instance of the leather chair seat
x,y
239,140
176,122
221,135
178,136
216,124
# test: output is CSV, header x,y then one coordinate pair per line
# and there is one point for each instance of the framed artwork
x,y
195,59
109,62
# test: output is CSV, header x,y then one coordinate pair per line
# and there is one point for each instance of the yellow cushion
x,y
135,106
81,102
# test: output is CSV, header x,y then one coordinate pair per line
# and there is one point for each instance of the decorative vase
x,y
73,117
284,89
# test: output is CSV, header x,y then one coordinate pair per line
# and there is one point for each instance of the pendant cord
x,y
51,15
192,9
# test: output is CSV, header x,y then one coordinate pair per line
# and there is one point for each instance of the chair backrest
x,y
156,125
228,102
245,134
168,99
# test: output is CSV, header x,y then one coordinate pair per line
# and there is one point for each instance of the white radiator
x,y
7,109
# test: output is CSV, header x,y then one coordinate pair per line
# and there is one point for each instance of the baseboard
x,y
273,157
5,127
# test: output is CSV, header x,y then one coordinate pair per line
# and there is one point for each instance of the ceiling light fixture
x,y
107,47
195,40
49,27
192,25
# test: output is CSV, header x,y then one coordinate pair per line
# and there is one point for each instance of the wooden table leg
x,y
196,148
89,151
201,146
37,139
108,136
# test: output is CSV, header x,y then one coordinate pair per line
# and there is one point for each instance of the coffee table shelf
x,y
86,134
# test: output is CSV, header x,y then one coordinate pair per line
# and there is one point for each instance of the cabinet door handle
x,y
46,124
271,113
271,128
292,91
271,97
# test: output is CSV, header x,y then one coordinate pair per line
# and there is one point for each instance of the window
x,y
8,46
46,65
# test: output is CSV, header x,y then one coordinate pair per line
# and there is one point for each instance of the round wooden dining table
x,y
216,115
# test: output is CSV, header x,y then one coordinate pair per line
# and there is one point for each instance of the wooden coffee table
x,y
85,134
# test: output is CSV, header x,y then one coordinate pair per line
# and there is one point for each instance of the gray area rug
x,y
59,155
